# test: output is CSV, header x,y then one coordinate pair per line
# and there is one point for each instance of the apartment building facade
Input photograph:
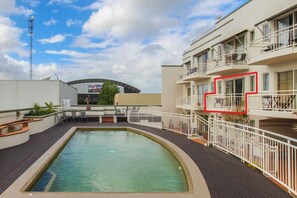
x,y
244,69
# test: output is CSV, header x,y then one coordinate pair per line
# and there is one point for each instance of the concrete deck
x,y
224,175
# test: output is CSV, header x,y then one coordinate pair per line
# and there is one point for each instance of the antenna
x,y
30,29
56,75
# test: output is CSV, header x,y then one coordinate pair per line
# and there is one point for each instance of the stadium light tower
x,y
30,29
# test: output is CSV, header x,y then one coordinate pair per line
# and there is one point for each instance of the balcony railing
x,y
225,102
277,40
275,155
274,101
227,60
196,71
184,102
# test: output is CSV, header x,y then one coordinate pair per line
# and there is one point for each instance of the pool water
x,y
113,161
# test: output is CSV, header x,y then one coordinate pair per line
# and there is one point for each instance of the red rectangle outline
x,y
245,94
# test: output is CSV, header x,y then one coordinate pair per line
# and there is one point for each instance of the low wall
x,y
44,124
13,140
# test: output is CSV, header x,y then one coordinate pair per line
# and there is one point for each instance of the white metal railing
x,y
171,121
280,39
275,155
274,101
227,59
184,102
192,127
198,69
226,102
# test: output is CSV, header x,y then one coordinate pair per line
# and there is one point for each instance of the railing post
x,y
289,164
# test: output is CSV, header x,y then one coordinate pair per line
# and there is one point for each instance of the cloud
x,y
12,68
119,69
126,19
51,2
9,7
45,70
50,22
85,42
72,22
10,37
71,53
54,39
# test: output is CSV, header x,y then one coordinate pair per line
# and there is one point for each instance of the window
x,y
252,83
285,80
284,25
220,51
193,88
252,36
220,87
265,82
229,46
240,43
212,86
266,31
295,80
189,91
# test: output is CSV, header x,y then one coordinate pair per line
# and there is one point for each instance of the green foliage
x,y
40,111
106,96
37,108
50,107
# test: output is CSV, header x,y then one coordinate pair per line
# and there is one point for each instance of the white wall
x,y
169,88
68,92
20,94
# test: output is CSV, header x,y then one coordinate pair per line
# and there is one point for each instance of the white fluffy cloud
x,y
9,7
72,22
54,39
85,42
133,19
50,22
60,2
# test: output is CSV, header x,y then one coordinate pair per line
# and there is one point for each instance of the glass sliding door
x,y
285,85
229,92
285,81
285,35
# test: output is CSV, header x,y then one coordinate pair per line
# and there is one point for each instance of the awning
x,y
233,36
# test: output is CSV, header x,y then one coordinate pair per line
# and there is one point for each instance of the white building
x,y
248,62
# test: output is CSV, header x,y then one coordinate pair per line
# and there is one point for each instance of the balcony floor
x,y
224,175
224,70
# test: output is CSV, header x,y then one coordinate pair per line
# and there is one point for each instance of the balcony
x,y
278,46
190,102
184,102
231,62
274,104
196,73
226,103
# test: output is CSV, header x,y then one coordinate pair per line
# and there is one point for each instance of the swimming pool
x,y
112,161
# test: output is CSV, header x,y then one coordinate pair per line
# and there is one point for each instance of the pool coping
x,y
196,183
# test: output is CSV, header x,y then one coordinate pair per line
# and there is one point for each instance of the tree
x,y
106,96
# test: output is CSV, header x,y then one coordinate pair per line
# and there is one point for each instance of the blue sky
x,y
125,40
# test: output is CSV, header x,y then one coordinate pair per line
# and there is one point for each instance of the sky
x,y
124,40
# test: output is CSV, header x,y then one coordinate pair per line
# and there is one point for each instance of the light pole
x,y
30,29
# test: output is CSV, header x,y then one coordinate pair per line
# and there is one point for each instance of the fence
x,y
273,154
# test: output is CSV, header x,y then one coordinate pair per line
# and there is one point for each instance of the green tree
x,y
106,96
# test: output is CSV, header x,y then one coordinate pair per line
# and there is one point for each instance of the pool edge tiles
x,y
196,183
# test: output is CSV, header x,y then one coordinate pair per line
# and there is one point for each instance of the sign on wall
x,y
94,88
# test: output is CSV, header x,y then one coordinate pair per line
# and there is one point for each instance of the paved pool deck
x,y
225,175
